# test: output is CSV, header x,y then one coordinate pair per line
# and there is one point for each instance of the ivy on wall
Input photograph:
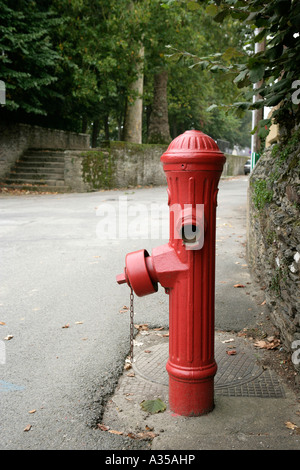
x,y
285,158
261,194
98,169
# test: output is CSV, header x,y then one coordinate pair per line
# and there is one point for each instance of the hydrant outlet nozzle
x,y
121,278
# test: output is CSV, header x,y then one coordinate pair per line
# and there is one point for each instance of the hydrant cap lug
x,y
121,278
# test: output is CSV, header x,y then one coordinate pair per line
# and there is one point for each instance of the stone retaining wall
x,y
124,165
273,238
119,165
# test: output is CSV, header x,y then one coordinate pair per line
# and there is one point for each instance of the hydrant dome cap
x,y
192,144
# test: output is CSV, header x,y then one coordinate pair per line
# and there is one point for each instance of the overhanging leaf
x,y
257,73
241,76
274,100
211,107
265,122
211,10
263,132
153,406
193,6
221,15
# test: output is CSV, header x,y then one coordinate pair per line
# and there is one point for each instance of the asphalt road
x,y
61,304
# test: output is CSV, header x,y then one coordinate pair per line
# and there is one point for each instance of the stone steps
x,y
41,156
24,165
39,167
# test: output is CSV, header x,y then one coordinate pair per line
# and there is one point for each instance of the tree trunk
x,y
95,132
106,128
257,114
84,124
159,131
134,108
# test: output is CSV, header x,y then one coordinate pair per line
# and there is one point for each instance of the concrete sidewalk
x,y
254,408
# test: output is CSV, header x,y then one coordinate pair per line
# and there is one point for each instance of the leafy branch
x,y
275,69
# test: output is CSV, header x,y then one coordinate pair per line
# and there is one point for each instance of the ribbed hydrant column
x,y
193,165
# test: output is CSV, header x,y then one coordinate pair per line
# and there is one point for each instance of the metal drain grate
x,y
237,375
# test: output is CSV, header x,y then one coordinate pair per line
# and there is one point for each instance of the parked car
x,y
247,166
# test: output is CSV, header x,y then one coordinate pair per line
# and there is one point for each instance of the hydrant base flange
x,y
191,391
191,398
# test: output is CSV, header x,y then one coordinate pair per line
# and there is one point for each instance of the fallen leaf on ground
x,y
260,344
291,425
147,351
231,352
124,309
267,344
8,337
2,323
28,427
32,411
67,325
149,428
127,366
142,435
239,285
78,322
102,427
146,435
115,432
227,341
142,327
153,406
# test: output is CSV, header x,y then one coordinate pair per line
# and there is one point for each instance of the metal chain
x,y
131,324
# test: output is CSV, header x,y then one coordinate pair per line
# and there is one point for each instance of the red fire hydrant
x,y
185,267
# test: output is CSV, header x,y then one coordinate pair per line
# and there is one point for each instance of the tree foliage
x,y
28,59
69,64
195,83
276,67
